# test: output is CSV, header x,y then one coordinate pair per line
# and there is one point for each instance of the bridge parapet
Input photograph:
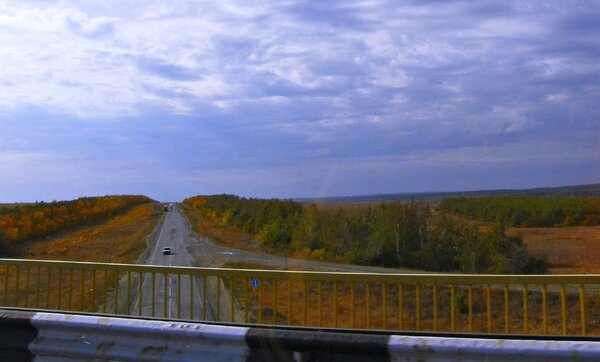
x,y
54,336
507,304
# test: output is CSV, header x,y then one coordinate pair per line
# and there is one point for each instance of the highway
x,y
159,296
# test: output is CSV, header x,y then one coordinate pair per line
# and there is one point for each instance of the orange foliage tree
x,y
42,219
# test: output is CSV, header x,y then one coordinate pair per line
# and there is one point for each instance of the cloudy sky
x,y
289,98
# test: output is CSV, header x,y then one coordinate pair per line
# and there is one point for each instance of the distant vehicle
x,y
167,251
171,206
166,208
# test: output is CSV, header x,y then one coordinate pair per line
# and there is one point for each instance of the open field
x,y
570,250
436,197
9,206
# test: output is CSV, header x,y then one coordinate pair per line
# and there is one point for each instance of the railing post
x,y
470,305
352,306
246,302
153,295
328,293
582,309
82,289
289,299
418,306
203,296
259,301
165,294
70,289
320,296
452,308
368,302
305,303
59,290
140,295
525,309
94,293
6,276
385,309
218,316
178,295
17,284
116,293
27,288
274,302
545,309
506,310
435,307
232,306
129,293
191,297
563,309
39,283
105,289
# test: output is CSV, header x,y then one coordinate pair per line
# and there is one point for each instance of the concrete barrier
x,y
66,337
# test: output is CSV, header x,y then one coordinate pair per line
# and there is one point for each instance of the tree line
x,y
391,234
23,222
528,211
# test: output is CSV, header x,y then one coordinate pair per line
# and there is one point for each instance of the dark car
x,y
167,251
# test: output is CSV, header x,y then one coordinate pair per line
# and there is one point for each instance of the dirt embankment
x,y
120,239
225,235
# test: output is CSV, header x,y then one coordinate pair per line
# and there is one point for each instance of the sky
x,y
290,98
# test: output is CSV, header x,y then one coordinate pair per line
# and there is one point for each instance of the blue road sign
x,y
255,283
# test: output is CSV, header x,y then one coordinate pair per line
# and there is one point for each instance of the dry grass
x,y
284,301
570,250
118,240
226,235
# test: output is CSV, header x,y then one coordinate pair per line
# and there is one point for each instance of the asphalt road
x,y
165,290
159,295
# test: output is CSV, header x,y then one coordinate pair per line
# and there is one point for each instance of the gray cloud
x,y
166,70
315,87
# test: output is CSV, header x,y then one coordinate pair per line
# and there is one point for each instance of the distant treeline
x,y
528,211
30,221
392,234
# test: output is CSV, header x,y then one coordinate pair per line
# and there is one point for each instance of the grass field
x,y
570,250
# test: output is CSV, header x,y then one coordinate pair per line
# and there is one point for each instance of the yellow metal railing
x,y
511,304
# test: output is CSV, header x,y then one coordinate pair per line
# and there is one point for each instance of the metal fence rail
x,y
43,336
511,304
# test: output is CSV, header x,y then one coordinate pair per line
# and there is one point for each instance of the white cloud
x,y
18,158
415,81
557,97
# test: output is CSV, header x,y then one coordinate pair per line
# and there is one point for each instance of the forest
x,y
391,234
527,211
31,221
